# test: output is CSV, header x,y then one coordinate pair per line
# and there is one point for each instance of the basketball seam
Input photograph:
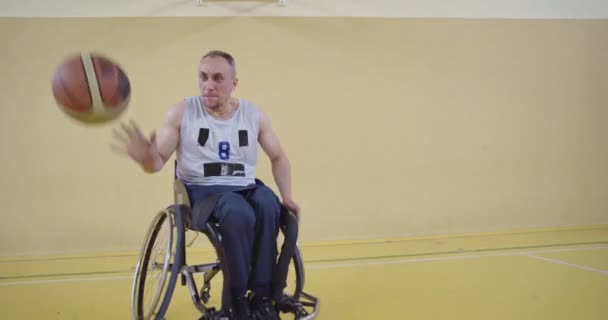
x,y
97,68
86,79
99,107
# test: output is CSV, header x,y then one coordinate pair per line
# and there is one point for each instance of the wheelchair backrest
x,y
180,194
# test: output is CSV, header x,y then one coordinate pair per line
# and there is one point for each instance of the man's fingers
x,y
137,131
153,137
119,136
128,130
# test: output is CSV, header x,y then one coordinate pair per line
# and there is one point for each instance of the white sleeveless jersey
x,y
217,152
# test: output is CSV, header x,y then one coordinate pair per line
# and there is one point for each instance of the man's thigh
x,y
204,201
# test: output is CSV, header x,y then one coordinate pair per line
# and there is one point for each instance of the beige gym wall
x,y
394,127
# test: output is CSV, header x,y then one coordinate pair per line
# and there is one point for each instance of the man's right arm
x,y
165,140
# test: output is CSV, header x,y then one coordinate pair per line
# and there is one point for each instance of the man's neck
x,y
224,111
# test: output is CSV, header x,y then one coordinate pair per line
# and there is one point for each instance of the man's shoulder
x,y
247,103
249,107
174,115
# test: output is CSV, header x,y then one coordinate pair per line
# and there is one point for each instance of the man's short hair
x,y
223,54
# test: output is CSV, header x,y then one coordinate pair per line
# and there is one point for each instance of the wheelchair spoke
x,y
160,258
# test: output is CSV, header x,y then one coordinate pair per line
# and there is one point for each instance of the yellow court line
x,y
332,243
369,261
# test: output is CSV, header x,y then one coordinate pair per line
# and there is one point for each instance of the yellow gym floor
x,y
542,274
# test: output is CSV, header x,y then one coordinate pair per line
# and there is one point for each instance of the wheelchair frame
x,y
177,220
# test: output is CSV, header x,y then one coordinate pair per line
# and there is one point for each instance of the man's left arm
x,y
281,168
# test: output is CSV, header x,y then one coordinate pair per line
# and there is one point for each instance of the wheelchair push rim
x,y
147,263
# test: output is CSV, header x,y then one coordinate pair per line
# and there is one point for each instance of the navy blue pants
x,y
248,219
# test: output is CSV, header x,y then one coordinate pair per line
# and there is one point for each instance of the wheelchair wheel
x,y
158,267
293,299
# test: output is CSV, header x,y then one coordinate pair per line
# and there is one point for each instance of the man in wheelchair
x,y
215,137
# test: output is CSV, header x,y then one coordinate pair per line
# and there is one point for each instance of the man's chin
x,y
211,103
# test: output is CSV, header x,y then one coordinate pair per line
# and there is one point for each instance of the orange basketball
x,y
91,88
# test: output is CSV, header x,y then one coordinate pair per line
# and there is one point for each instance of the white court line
x,y
567,249
574,265
15,283
459,257
401,261
357,264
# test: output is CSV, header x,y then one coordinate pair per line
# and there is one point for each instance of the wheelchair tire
x,y
166,220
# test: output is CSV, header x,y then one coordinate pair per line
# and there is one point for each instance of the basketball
x,y
91,88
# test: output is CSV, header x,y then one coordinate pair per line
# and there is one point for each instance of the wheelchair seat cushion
x,y
201,211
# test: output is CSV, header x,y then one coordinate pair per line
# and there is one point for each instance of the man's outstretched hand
x,y
132,142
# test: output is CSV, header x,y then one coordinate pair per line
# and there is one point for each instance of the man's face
x,y
217,80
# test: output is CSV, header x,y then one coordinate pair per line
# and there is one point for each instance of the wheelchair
x,y
162,262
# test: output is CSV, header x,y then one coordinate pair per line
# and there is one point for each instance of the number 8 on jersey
x,y
224,150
